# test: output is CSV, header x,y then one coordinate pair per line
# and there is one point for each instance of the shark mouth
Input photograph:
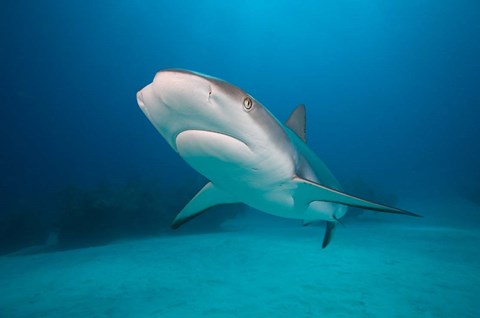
x,y
204,143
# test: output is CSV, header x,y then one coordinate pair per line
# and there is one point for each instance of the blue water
x,y
391,89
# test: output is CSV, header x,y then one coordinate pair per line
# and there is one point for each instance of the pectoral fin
x,y
207,197
308,191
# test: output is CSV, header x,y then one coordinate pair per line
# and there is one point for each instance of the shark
x,y
247,154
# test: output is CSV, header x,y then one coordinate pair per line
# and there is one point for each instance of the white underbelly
x,y
262,181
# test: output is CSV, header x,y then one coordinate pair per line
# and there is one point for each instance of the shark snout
x,y
141,103
140,99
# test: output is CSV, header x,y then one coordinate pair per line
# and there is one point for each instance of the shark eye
x,y
247,104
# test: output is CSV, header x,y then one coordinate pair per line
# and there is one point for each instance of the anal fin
x,y
207,197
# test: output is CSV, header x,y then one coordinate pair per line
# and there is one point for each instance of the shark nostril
x,y
209,93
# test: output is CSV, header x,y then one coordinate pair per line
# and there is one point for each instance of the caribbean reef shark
x,y
244,151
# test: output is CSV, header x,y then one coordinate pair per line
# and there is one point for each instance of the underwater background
x,y
88,188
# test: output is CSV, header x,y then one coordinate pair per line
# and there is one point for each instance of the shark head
x,y
216,126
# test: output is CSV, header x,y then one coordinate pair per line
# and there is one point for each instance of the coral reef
x,y
139,208
21,228
103,213
87,216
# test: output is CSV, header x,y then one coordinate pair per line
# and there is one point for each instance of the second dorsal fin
x,y
297,120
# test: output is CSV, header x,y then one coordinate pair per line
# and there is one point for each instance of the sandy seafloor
x,y
389,267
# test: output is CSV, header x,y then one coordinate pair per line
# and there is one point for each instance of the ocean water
x,y
88,188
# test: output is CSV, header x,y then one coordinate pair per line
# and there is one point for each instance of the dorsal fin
x,y
297,120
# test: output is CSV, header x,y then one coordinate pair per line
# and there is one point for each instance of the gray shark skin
x,y
246,153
